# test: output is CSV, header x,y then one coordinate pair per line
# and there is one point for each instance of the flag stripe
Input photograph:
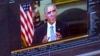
x,y
24,28
27,27
24,31
30,28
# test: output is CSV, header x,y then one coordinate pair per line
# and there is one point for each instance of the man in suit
x,y
52,30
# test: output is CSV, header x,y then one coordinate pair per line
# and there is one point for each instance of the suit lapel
x,y
45,28
58,27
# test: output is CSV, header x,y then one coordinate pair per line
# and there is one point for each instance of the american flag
x,y
26,23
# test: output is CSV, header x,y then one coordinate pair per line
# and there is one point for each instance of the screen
x,y
41,28
30,21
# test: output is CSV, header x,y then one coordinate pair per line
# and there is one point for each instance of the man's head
x,y
50,13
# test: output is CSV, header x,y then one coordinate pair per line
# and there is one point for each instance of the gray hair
x,y
49,4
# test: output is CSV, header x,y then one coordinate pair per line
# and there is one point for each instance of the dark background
x,y
4,39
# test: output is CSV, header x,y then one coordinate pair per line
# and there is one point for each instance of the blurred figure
x,y
36,15
52,30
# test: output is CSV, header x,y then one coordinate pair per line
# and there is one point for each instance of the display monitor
x,y
30,22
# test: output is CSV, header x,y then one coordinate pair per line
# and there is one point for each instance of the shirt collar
x,y
49,25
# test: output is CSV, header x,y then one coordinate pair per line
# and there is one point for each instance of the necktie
x,y
52,35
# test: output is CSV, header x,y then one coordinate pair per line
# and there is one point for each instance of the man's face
x,y
51,14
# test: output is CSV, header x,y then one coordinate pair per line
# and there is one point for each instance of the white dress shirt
x,y
48,30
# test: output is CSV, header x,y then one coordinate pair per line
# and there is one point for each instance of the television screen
x,y
33,23
52,27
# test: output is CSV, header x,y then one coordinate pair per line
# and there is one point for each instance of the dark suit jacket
x,y
42,31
